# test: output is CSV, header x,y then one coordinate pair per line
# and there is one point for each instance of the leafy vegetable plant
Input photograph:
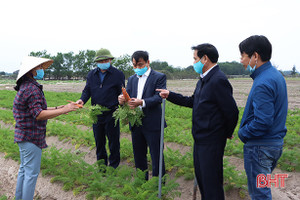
x,y
127,115
93,112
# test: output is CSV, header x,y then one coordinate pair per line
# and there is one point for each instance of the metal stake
x,y
195,189
161,146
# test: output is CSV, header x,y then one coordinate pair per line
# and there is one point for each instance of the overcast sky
x,y
165,28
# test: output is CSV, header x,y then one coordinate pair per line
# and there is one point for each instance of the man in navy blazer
x,y
215,116
141,87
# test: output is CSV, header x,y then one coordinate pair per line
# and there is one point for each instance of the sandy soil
x,y
48,191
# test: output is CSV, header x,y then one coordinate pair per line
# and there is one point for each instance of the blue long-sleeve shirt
x,y
266,109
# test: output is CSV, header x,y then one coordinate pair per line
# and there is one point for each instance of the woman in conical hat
x,y
31,114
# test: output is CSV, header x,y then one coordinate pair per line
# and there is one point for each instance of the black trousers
x,y
101,131
208,164
141,139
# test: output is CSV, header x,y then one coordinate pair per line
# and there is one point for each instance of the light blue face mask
x,y
249,68
141,71
39,74
198,67
103,66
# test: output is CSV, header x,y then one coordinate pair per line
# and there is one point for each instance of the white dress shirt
x,y
204,74
141,85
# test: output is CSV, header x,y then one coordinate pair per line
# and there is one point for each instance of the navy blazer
x,y
215,113
152,111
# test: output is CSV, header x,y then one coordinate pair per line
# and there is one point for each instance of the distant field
x,y
241,88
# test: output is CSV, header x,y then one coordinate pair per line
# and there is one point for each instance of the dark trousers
x,y
112,133
208,164
140,141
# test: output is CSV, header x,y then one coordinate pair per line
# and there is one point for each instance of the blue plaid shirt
x,y
28,104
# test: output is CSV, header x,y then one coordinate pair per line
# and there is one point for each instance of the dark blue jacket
x,y
215,113
266,109
104,93
152,111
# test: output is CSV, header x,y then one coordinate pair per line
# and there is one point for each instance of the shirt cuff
x,y
144,103
242,138
36,112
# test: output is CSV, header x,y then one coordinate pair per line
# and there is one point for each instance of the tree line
x,y
70,66
76,66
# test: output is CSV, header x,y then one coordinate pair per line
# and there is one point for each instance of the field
x,y
68,165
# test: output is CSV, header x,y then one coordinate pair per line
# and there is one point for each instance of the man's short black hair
x,y
259,44
140,54
207,49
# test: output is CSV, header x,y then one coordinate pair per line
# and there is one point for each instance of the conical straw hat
x,y
30,62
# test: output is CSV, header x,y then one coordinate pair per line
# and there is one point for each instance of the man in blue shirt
x,y
104,85
263,124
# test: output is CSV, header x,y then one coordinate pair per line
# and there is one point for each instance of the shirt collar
x,y
147,73
261,69
33,81
204,74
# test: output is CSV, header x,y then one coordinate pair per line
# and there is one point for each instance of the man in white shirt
x,y
141,87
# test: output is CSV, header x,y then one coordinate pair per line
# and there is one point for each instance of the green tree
x,y
233,68
294,71
58,69
68,64
123,63
159,65
83,63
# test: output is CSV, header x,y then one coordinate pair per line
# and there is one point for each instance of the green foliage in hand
x,y
96,110
125,114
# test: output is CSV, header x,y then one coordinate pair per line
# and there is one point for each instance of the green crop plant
x,y
7,145
234,178
76,175
70,132
7,98
126,151
126,115
290,159
3,197
6,116
130,184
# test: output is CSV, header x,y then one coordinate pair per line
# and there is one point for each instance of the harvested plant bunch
x,y
125,114
96,110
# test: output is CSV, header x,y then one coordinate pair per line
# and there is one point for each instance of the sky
x,y
167,29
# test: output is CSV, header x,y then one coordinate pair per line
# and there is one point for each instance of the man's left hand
x,y
133,103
